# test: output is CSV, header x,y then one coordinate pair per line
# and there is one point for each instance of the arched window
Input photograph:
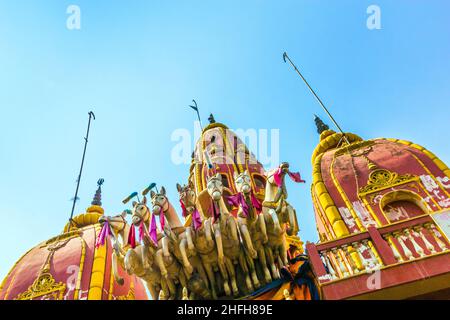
x,y
403,204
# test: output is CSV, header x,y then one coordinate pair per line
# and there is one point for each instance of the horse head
x,y
214,186
117,222
187,197
140,212
243,182
159,201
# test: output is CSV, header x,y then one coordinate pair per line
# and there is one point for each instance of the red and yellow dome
x,y
360,183
70,267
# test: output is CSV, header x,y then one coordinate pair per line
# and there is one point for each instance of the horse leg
x,y
247,240
183,279
243,262
144,252
115,270
201,271
172,288
223,271
232,273
262,227
165,246
249,263
165,288
152,290
276,221
271,261
186,264
251,266
160,262
212,279
263,263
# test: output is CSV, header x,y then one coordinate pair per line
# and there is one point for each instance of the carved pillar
x,y
338,258
418,232
329,265
436,235
394,249
347,253
416,246
407,252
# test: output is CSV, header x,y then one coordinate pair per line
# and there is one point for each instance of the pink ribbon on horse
x,y
214,211
196,219
132,237
141,230
162,220
256,203
295,176
239,200
105,232
153,232
183,209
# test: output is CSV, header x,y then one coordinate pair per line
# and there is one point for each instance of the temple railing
x,y
377,248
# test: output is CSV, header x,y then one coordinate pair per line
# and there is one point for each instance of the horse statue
x,y
129,258
119,229
251,223
155,283
279,215
226,232
162,208
168,265
186,245
199,237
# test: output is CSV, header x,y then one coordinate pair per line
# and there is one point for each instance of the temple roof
x,y
352,178
69,266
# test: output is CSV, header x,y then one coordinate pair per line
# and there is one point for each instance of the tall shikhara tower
x,y
382,209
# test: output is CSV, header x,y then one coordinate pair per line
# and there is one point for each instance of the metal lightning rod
x,y
195,107
285,56
91,115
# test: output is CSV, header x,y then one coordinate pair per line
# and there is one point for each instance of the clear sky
x,y
138,64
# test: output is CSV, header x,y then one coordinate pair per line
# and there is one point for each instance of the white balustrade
x,y
437,235
416,246
400,238
397,255
418,232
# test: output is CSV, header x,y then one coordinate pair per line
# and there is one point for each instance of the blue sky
x,y
138,64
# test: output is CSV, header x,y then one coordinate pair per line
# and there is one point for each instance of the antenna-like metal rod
x,y
315,95
198,114
91,115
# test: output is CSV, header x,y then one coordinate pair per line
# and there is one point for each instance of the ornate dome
x,y
70,267
360,183
221,147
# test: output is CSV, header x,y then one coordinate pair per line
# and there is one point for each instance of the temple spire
x,y
97,201
211,119
321,126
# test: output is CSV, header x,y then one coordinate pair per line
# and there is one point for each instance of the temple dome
x,y
221,148
360,183
70,267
